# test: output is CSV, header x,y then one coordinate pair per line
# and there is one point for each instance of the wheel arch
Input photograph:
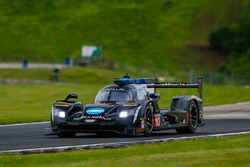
x,y
182,103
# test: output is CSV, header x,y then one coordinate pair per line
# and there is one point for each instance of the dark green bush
x,y
236,43
218,39
231,40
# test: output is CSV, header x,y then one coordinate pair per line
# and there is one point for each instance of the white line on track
x,y
113,145
22,124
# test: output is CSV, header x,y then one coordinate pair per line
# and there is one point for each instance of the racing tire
x,y
148,120
193,113
66,134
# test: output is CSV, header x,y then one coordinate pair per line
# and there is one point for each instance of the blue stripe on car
x,y
95,111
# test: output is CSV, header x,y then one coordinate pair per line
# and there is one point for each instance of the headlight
x,y
58,113
123,114
61,114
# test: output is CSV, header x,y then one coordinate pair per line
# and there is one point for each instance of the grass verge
x,y
227,151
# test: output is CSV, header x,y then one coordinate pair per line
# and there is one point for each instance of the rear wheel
x,y
66,134
148,120
192,119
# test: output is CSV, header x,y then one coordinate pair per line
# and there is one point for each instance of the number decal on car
x,y
157,120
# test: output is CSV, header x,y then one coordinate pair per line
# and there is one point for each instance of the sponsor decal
x,y
95,111
89,120
130,105
96,117
61,105
139,130
142,124
157,120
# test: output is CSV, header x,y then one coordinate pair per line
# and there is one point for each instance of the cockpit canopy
x,y
127,93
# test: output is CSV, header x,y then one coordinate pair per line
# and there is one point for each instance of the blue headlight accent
x,y
95,111
126,81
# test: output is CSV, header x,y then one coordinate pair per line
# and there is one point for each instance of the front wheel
x,y
148,120
192,119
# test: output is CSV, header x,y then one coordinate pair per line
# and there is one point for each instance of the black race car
x,y
129,106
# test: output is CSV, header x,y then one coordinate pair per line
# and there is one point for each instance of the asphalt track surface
x,y
29,136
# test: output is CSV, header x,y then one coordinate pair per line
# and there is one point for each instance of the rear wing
x,y
198,85
152,84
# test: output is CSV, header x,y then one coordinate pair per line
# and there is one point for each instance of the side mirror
x,y
152,95
71,96
155,96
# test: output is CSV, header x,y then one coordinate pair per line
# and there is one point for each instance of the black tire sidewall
x,y
147,131
190,127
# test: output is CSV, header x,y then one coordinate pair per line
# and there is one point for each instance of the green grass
x,y
156,32
226,151
33,103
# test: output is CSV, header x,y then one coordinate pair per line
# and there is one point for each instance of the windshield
x,y
120,95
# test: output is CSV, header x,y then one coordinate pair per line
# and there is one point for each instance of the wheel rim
x,y
193,116
149,120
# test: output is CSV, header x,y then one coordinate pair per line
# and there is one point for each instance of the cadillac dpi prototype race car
x,y
130,107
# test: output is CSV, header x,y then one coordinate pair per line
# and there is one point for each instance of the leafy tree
x,y
230,40
236,43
